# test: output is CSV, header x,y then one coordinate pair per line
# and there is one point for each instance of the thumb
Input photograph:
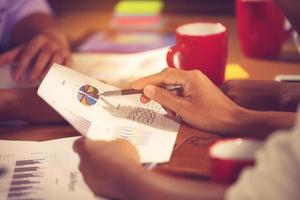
x,y
166,98
78,144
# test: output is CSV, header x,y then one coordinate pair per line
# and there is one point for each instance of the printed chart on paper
x,y
108,118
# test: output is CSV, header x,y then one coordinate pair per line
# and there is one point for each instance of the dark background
x,y
171,6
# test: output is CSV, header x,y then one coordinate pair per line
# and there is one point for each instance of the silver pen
x,y
133,91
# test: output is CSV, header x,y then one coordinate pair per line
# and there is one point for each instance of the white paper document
x,y
7,82
115,69
120,69
76,97
41,170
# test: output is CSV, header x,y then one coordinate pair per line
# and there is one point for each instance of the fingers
x,y
41,62
26,56
84,145
144,99
94,174
170,113
39,55
167,76
79,145
84,150
46,59
9,56
166,99
59,57
68,61
56,58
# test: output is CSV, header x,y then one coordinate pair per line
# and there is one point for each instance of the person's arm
x,y
138,183
42,43
261,123
112,169
204,106
276,172
36,24
35,41
265,95
24,104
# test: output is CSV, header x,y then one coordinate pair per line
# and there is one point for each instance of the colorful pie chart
x,y
88,95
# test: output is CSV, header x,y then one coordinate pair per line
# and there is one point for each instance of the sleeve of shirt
x,y
276,173
18,10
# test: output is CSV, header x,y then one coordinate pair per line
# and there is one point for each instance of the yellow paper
x,y
139,7
235,71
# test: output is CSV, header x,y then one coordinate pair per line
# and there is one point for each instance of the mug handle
x,y
171,54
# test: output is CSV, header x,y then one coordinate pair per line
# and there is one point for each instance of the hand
x,y
202,104
104,163
263,95
37,55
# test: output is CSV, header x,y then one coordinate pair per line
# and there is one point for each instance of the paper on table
x,y
120,69
116,69
6,81
235,71
76,98
41,170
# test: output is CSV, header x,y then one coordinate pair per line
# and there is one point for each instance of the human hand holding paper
x,y
201,105
206,107
36,56
105,164
78,99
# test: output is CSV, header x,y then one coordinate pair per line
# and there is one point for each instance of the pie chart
x,y
88,95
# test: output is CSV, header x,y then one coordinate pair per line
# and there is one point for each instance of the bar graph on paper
x,y
27,178
41,171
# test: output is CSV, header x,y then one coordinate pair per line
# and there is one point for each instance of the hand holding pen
x,y
201,104
176,88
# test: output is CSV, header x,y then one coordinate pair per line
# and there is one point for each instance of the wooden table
x,y
190,156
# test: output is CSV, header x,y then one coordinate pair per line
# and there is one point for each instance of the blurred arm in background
x,y
263,95
24,104
30,41
30,38
269,95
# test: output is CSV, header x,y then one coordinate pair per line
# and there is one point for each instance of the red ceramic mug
x,y
202,46
229,157
260,27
